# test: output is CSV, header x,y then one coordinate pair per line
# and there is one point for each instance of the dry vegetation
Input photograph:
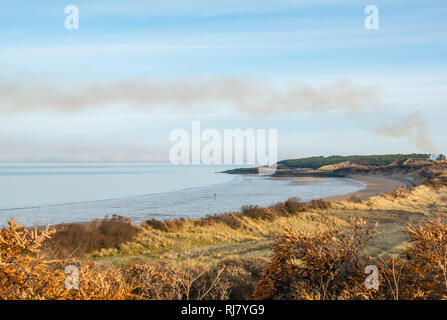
x,y
78,240
329,265
292,250
27,273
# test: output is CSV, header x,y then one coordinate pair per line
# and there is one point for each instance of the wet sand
x,y
299,180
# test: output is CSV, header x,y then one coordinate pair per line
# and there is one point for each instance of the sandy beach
x,y
375,185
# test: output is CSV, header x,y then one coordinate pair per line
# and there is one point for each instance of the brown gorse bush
x,y
80,239
241,275
27,274
295,205
232,278
424,264
354,198
99,282
317,265
419,272
319,204
330,265
256,212
156,281
22,274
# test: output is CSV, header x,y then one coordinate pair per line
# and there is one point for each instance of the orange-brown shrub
x,y
318,265
420,271
319,204
157,281
355,199
295,205
230,279
99,282
241,275
79,239
22,274
424,274
256,212
25,274
329,265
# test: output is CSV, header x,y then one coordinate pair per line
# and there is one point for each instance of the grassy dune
x,y
210,240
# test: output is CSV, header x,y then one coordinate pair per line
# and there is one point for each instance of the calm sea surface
x,y
60,193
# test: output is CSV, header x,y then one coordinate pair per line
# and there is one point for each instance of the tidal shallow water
x,y
62,193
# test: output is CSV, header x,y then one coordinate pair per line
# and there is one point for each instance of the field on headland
x,y
235,255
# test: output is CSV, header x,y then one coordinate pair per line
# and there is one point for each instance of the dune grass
x,y
251,233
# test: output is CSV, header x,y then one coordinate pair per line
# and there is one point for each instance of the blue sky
x,y
313,42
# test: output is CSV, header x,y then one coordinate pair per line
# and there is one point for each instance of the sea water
x,y
37,194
